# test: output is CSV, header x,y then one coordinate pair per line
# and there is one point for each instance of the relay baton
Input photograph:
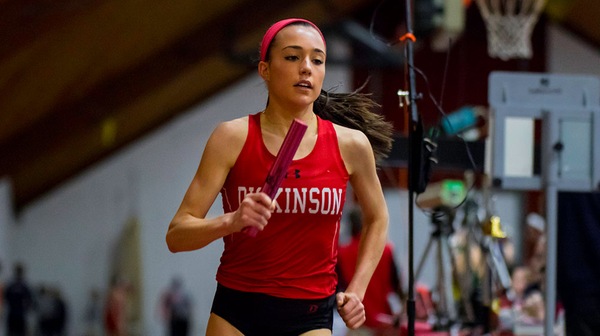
x,y
282,162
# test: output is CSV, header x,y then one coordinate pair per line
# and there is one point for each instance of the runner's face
x,y
296,69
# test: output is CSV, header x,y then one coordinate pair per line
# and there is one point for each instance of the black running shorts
x,y
256,314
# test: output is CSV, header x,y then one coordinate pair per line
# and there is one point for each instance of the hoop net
x,y
509,25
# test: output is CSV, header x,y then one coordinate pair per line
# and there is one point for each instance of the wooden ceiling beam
x,y
73,53
87,145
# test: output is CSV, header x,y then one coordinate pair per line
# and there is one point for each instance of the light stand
x,y
415,138
442,219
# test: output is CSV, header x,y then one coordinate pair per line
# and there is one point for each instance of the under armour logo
x,y
296,173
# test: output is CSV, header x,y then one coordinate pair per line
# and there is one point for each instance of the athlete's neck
x,y
278,122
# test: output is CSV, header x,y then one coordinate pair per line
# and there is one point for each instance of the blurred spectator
x,y
176,308
520,280
534,230
45,309
1,299
523,303
533,308
116,308
381,319
51,312
1,302
537,265
61,313
93,314
18,301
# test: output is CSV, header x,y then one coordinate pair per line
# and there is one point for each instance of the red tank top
x,y
295,255
377,307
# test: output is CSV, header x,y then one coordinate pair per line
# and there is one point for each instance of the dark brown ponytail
x,y
355,110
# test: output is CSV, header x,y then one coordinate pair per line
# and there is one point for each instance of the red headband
x,y
275,28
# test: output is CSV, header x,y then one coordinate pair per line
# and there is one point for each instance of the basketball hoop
x,y
509,25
